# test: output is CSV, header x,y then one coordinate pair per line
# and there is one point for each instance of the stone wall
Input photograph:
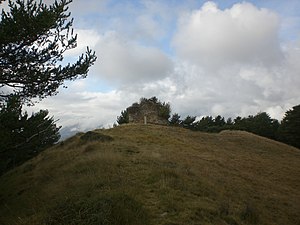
x,y
145,112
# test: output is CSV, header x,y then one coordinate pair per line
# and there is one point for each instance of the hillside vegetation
x,y
160,175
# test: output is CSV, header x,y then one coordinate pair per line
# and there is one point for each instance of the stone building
x,y
147,111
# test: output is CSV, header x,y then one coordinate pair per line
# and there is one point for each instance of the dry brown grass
x,y
171,176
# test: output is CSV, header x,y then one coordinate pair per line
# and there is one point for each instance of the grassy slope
x,y
156,175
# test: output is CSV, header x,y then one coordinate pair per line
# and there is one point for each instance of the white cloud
x,y
227,61
122,61
85,37
85,110
242,34
232,63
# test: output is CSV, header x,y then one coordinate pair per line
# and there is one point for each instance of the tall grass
x,y
111,209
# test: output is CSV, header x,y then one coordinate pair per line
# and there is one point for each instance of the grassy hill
x,y
139,175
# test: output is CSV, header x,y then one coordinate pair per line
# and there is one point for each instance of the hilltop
x,y
147,174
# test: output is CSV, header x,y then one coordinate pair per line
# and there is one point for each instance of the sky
x,y
230,58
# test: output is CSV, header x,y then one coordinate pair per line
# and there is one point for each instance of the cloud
x,y
84,109
149,28
230,62
85,37
237,90
226,61
89,6
242,34
123,61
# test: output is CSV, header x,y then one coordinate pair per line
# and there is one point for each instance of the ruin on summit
x,y
149,111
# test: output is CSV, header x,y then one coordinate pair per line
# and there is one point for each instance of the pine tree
x,y
188,122
123,118
263,125
289,130
33,39
23,137
175,120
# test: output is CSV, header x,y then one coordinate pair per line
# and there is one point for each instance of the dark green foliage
x,y
210,124
219,121
261,124
175,120
94,136
289,131
164,110
188,122
205,124
265,125
123,118
113,209
229,122
23,137
33,38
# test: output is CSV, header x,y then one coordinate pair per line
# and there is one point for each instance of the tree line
x,y
287,130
